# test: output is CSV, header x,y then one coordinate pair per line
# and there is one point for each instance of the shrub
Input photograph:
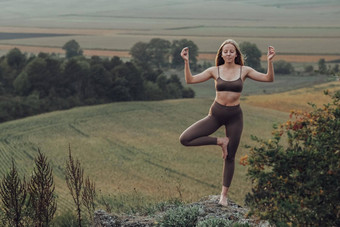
x,y
309,69
41,191
298,184
13,194
180,216
188,93
216,222
283,67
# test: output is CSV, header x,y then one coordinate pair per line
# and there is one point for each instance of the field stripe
x,y
287,57
202,56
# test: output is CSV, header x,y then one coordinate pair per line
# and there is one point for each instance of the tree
x,y
158,50
188,93
15,58
22,84
322,66
309,68
100,82
38,77
154,54
72,49
283,67
140,54
252,55
41,191
13,194
75,75
132,77
176,48
298,184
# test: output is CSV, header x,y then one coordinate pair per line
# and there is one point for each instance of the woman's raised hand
x,y
271,53
185,54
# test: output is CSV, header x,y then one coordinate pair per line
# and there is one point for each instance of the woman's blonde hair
x,y
239,58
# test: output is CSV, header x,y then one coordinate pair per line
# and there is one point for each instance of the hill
x,y
131,149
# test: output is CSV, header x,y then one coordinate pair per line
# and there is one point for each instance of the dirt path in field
x,y
56,50
125,54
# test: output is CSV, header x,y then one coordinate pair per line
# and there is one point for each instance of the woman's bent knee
x,y
184,141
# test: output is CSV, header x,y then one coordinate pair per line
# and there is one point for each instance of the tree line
x,y
40,83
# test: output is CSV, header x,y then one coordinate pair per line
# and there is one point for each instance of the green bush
x,y
283,67
215,222
180,217
298,183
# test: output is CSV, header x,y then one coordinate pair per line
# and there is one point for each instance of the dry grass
x,y
296,99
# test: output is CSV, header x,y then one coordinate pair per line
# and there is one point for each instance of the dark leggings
x,y
199,133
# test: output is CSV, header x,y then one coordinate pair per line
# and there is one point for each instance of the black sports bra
x,y
226,85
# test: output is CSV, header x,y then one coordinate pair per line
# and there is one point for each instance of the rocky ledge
x,y
208,208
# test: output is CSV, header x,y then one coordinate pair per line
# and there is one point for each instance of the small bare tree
x,y
88,196
13,194
41,190
74,179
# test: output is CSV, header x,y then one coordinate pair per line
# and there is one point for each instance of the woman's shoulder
x,y
246,69
214,71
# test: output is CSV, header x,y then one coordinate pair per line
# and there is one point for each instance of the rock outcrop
x,y
208,208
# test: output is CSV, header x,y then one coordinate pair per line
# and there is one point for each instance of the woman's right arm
x,y
189,78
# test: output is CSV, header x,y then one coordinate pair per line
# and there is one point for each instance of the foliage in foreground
x,y
183,216
180,216
298,184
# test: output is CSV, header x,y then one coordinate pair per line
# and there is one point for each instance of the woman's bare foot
x,y
223,199
223,142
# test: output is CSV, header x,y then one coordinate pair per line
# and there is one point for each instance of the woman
x,y
229,75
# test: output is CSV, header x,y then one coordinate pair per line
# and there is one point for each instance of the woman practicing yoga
x,y
229,75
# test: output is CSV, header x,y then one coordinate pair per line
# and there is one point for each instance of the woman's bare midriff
x,y
228,98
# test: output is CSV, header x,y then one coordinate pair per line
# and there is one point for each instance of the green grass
x,y
132,147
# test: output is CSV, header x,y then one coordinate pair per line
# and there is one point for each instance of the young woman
x,y
229,75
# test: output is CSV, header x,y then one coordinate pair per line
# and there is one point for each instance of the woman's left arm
x,y
269,77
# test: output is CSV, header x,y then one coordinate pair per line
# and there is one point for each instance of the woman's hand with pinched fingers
x,y
185,54
271,53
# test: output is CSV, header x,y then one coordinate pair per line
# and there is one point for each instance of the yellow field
x,y
296,99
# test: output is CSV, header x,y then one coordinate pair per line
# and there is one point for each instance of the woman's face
x,y
229,53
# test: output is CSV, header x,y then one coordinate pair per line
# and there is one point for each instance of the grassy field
x,y
128,147
132,148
